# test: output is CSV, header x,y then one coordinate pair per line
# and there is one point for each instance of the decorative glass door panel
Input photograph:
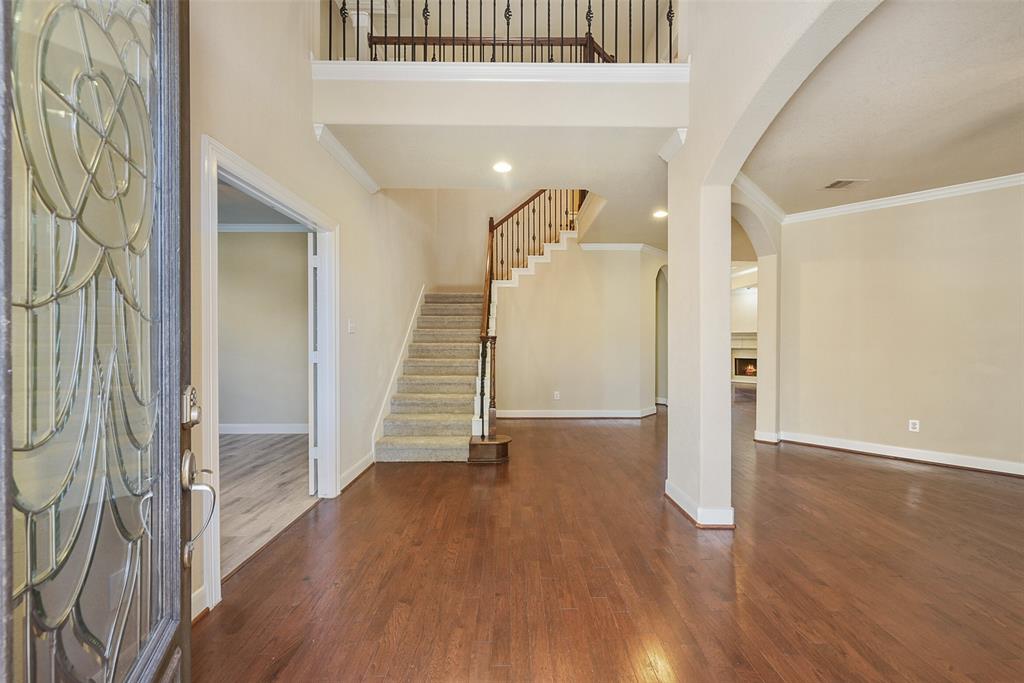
x,y
89,410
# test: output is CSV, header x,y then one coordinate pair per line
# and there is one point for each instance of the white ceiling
x,y
920,95
619,164
237,207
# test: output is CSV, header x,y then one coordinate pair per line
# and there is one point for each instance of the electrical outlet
x,y
914,425
557,396
351,326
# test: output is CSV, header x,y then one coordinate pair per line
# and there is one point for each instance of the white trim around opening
x,y
218,162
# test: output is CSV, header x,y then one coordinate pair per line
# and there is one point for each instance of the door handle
x,y
189,471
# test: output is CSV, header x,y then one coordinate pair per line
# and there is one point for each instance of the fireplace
x,y
744,367
744,357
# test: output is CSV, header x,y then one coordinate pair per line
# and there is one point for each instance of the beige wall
x,y
661,341
263,320
461,246
912,312
250,76
584,325
744,309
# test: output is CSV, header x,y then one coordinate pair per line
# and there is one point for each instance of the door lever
x,y
189,471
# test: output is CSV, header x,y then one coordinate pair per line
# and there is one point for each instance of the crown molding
x,y
344,158
1001,182
630,74
759,196
672,146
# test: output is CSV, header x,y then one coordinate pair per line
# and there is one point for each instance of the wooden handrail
x,y
495,224
586,41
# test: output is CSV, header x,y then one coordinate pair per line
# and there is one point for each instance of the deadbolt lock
x,y
191,412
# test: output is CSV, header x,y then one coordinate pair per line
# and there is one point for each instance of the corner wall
x,y
584,325
909,312
251,90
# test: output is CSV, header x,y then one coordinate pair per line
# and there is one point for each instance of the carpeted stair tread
x,y
423,449
460,350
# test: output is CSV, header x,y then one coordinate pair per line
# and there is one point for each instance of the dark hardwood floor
x,y
569,564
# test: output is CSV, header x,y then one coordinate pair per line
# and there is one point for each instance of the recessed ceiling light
x,y
502,167
660,213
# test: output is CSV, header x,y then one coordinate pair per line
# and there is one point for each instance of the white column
x,y
700,416
767,421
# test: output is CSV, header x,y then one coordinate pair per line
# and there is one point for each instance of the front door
x,y
96,517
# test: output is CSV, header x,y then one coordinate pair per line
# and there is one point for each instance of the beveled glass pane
x,y
85,413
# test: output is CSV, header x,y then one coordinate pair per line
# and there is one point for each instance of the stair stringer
x,y
533,260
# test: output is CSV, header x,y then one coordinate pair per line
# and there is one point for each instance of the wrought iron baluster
x,y
385,30
344,29
616,30
643,35
440,21
657,34
561,32
399,49
551,52
630,29
575,30
370,45
412,30
603,15
522,44
508,29
590,32
330,30
454,5
670,15
465,48
494,29
355,25
426,27
533,49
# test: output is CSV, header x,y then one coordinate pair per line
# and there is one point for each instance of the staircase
x,y
432,411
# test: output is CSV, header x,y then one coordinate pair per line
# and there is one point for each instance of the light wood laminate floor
x,y
264,488
568,564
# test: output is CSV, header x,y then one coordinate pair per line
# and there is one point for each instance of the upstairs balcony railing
x,y
561,31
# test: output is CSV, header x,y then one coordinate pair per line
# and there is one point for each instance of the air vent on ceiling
x,y
843,182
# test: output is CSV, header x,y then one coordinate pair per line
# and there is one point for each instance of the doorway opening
x,y
743,316
267,466
269,378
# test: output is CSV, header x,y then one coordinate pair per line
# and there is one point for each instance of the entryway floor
x,y
264,487
569,564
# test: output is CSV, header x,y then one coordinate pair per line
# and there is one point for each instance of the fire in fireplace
x,y
745,367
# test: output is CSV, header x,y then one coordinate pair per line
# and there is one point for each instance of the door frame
x,y
6,532
217,161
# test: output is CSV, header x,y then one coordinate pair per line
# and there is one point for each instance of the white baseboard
x,y
703,516
265,428
661,400
904,453
643,412
349,475
199,602
767,437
